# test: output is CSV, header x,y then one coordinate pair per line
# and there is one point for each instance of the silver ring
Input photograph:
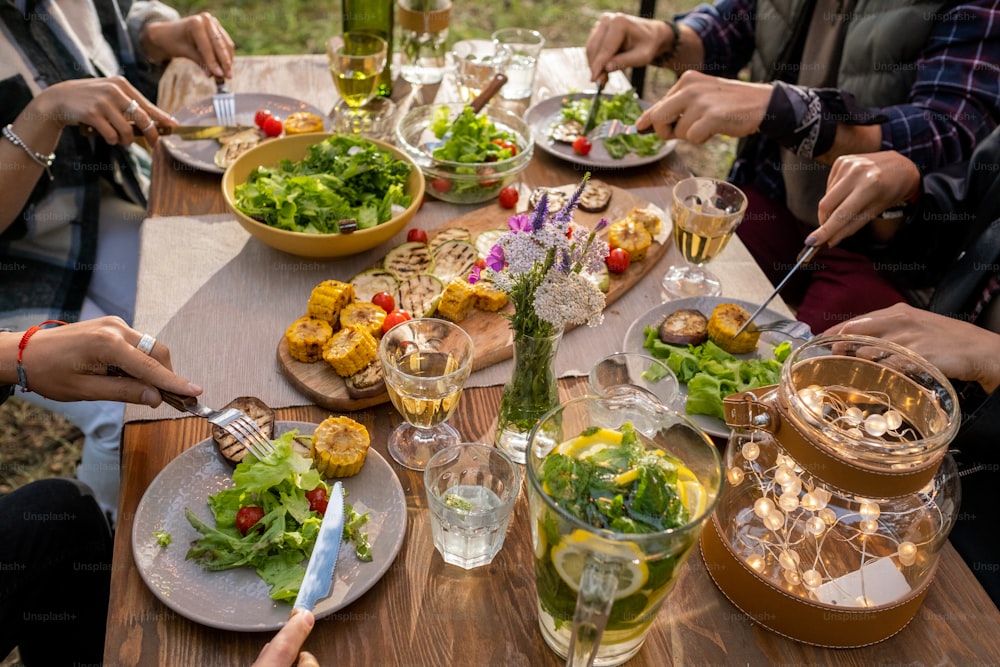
x,y
145,344
217,36
131,108
149,127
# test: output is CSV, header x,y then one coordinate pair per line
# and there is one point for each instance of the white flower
x,y
563,299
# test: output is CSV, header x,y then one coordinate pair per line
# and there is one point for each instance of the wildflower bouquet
x,y
542,264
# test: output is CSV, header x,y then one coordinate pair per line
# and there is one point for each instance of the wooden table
x,y
424,612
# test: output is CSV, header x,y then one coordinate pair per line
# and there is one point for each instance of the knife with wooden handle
x,y
185,132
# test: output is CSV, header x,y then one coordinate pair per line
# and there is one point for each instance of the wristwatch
x,y
6,390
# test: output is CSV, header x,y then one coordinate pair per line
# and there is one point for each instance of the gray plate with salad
x,y
545,118
238,599
761,366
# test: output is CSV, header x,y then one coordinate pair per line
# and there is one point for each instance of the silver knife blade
x,y
805,255
594,104
318,580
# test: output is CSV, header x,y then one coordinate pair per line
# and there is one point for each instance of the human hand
x,y
70,363
200,38
960,350
102,105
859,189
619,40
283,650
700,106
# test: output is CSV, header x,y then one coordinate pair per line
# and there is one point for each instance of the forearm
x,y
8,357
853,140
38,126
683,51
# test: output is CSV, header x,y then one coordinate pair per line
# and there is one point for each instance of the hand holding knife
x,y
595,102
806,254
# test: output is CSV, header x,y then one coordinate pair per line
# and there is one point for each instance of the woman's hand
x,y
859,189
960,350
101,105
700,106
284,649
70,363
200,38
618,41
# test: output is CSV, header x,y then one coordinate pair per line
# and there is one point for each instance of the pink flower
x,y
496,260
519,223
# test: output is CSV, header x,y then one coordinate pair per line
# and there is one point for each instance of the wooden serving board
x,y
489,331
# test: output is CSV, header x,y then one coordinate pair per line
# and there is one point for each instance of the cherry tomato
x,y
317,500
582,146
618,260
503,144
384,301
272,127
416,235
441,184
508,197
261,116
487,181
397,316
481,263
247,517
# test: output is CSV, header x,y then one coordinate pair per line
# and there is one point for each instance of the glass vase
x,y
531,391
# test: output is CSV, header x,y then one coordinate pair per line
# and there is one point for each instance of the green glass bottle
x,y
373,16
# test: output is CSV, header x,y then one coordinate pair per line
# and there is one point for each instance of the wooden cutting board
x,y
489,331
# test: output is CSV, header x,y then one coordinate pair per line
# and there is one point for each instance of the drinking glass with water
x,y
525,47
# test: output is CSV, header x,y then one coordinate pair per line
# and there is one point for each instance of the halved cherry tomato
x,y
508,197
384,301
582,146
247,517
504,144
487,181
261,116
618,260
480,263
441,184
272,127
416,235
317,500
397,316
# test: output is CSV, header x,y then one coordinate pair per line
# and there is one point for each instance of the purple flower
x,y
601,224
519,223
474,276
496,260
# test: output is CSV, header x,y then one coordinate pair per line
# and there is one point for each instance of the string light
x,y
856,423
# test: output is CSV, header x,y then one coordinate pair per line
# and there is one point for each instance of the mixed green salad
x,y
711,373
284,489
622,106
341,178
476,150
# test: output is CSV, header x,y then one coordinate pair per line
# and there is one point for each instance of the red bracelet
x,y
22,377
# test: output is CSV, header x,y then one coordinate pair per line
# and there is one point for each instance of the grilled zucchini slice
x,y
454,259
408,259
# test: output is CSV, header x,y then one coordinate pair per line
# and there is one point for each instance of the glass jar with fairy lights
x,y
840,492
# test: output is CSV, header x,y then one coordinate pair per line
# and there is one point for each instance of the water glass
x,y
476,62
471,489
423,30
525,48
635,371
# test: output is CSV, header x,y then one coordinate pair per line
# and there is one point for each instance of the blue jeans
x,y
55,574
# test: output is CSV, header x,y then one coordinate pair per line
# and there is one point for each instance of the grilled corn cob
x,y
488,297
630,236
363,314
306,337
349,350
328,298
647,219
339,447
726,320
457,300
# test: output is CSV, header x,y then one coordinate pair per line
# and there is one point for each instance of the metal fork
x,y
790,328
234,422
224,103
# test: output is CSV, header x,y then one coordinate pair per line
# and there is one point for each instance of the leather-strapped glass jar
x,y
840,492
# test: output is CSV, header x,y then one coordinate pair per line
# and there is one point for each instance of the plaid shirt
x,y
953,103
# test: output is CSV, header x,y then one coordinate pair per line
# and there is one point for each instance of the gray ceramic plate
x,y
548,112
200,154
237,599
634,338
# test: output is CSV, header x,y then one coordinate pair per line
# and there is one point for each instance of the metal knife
x,y
805,255
318,580
594,104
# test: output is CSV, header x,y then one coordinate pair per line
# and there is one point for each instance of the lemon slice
x,y
691,492
568,557
585,446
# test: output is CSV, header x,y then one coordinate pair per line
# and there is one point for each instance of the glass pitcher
x,y
599,589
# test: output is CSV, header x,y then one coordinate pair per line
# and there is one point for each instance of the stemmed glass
x,y
425,363
356,60
706,212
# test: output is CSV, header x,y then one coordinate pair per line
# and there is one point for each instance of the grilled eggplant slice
x,y
684,327
367,382
258,411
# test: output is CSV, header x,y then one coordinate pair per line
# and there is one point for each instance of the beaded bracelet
x,y
41,159
22,377
664,58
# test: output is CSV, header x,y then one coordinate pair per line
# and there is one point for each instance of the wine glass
x,y
356,61
706,212
425,362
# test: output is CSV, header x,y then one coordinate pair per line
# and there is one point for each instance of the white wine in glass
x,y
706,213
356,60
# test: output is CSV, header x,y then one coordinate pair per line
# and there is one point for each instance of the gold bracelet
x,y
42,160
